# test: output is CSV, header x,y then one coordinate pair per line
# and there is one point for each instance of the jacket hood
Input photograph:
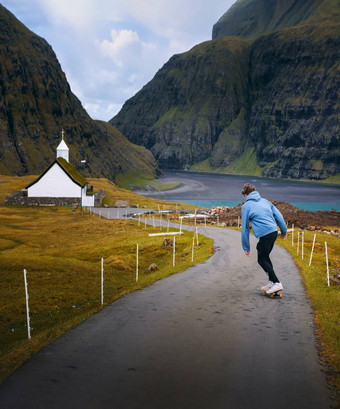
x,y
253,196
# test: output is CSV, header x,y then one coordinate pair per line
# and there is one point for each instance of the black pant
x,y
264,247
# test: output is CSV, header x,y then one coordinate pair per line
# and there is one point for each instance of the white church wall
x,y
55,183
88,201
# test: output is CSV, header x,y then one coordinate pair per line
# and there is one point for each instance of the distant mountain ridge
x,y
261,100
251,19
36,103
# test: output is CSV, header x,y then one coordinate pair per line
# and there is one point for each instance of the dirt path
x,y
203,339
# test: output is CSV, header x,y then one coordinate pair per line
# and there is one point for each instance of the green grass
x,y
62,252
203,166
245,165
332,179
325,300
129,181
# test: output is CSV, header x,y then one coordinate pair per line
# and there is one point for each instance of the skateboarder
x,y
264,218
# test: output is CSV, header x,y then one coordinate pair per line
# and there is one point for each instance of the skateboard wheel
x,y
280,295
271,295
263,292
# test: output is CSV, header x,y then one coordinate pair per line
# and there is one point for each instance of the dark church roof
x,y
69,169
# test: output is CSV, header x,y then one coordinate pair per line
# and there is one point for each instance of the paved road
x,y
203,339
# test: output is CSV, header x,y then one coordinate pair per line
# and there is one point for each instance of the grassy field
x,y
62,252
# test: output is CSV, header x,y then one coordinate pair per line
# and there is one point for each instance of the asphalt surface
x,y
204,339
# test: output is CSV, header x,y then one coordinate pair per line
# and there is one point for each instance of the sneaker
x,y
266,287
274,288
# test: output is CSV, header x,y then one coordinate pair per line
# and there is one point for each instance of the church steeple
x,y
62,149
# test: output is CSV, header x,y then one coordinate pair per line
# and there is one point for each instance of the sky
x,y
110,49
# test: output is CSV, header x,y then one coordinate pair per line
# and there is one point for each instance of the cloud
x,y
124,46
110,49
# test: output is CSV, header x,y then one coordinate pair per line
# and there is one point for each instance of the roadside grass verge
x,y
324,300
62,252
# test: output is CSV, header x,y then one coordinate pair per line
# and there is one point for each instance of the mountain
x,y
260,98
250,19
36,103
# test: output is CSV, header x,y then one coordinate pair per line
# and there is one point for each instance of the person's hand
x,y
283,236
248,253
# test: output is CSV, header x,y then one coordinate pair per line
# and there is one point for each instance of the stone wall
x,y
20,198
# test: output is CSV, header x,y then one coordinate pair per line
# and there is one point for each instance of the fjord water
x,y
207,190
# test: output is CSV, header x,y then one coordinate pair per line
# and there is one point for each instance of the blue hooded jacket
x,y
264,218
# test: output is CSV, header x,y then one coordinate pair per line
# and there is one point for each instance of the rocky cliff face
x,y
36,103
181,113
264,104
294,117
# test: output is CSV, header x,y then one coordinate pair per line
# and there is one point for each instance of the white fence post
x,y
137,264
174,253
293,235
327,263
27,306
302,243
311,254
193,246
298,244
102,281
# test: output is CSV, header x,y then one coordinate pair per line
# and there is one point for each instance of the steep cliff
x,y
36,103
180,114
263,101
294,119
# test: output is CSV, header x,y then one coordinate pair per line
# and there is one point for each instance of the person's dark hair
x,y
248,188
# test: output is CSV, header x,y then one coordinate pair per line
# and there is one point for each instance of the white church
x,y
61,180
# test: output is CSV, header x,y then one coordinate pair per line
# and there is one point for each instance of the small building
x,y
61,180
60,184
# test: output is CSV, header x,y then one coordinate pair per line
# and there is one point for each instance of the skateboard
x,y
272,295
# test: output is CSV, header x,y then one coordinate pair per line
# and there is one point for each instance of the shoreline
x,y
309,181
